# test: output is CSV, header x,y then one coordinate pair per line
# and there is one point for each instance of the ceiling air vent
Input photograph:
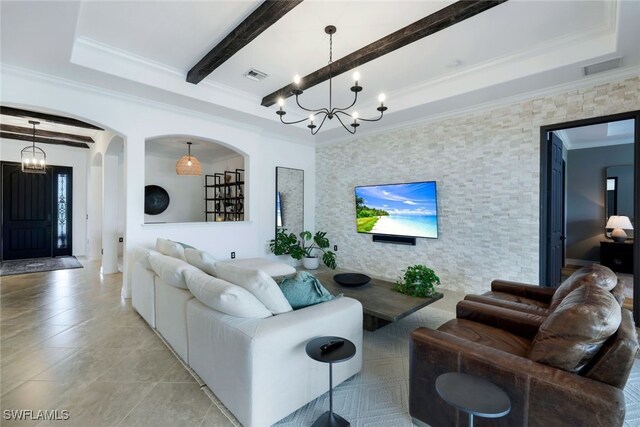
x,y
602,66
255,75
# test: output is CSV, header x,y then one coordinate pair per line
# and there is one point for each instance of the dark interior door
x,y
26,213
556,212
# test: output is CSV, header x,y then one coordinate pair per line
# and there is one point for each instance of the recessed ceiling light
x,y
255,75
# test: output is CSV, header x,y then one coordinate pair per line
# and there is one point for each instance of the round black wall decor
x,y
156,199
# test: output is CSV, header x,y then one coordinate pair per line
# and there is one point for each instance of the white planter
x,y
310,263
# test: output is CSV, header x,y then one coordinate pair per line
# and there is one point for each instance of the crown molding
x,y
10,70
87,46
589,81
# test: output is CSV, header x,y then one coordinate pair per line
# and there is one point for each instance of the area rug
x,y
37,265
379,395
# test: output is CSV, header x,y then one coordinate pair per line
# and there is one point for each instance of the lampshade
x,y
619,221
188,165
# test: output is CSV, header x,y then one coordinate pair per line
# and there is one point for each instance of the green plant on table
x,y
288,244
418,281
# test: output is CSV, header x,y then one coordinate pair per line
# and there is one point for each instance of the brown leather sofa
x,y
565,368
537,300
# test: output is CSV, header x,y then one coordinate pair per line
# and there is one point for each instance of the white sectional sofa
x,y
253,361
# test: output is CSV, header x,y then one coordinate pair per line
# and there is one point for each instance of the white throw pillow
x,y
170,248
170,269
272,268
202,260
223,296
142,256
258,283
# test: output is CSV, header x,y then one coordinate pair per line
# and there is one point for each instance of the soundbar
x,y
397,240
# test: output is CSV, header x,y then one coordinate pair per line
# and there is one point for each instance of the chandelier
x,y
322,114
188,165
33,159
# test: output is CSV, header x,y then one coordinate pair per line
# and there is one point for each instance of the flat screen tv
x,y
398,209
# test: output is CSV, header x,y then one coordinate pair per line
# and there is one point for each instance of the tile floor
x,y
69,342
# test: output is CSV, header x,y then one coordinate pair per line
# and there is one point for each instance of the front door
x,y
36,220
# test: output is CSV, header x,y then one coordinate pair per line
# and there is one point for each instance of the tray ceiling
x,y
147,48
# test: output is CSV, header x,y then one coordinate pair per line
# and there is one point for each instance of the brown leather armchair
x,y
538,300
517,352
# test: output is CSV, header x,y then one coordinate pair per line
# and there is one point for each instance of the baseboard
x,y
581,262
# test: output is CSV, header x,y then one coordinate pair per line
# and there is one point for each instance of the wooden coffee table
x,y
380,304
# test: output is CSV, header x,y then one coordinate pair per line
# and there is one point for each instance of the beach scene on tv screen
x,y
398,209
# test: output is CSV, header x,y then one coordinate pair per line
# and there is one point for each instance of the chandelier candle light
x,y
188,165
320,115
34,159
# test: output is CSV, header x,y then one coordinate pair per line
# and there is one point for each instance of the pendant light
x,y
188,165
33,159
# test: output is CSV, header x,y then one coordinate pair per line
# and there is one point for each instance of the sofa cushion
x,y
170,248
303,290
202,260
170,269
489,336
575,331
142,256
595,274
258,283
517,299
272,268
223,296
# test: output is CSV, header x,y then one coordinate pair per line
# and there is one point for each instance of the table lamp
x,y
619,223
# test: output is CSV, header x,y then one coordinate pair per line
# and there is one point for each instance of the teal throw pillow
x,y
303,290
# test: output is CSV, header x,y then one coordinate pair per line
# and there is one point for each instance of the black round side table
x,y
341,354
473,395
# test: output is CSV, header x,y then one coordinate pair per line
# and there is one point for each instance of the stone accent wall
x,y
486,165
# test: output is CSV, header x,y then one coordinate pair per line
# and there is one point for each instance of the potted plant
x,y
418,281
305,248
283,243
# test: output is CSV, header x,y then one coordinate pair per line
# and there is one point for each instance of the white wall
x,y
186,193
76,158
137,121
94,207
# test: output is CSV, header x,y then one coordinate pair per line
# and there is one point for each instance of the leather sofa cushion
x,y
170,269
613,363
503,296
618,292
170,248
258,283
223,296
594,274
576,330
202,260
487,336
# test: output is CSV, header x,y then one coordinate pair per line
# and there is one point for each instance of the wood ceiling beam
x,y
443,18
45,133
267,14
16,112
41,140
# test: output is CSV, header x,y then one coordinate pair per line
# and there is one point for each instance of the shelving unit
x,y
224,196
